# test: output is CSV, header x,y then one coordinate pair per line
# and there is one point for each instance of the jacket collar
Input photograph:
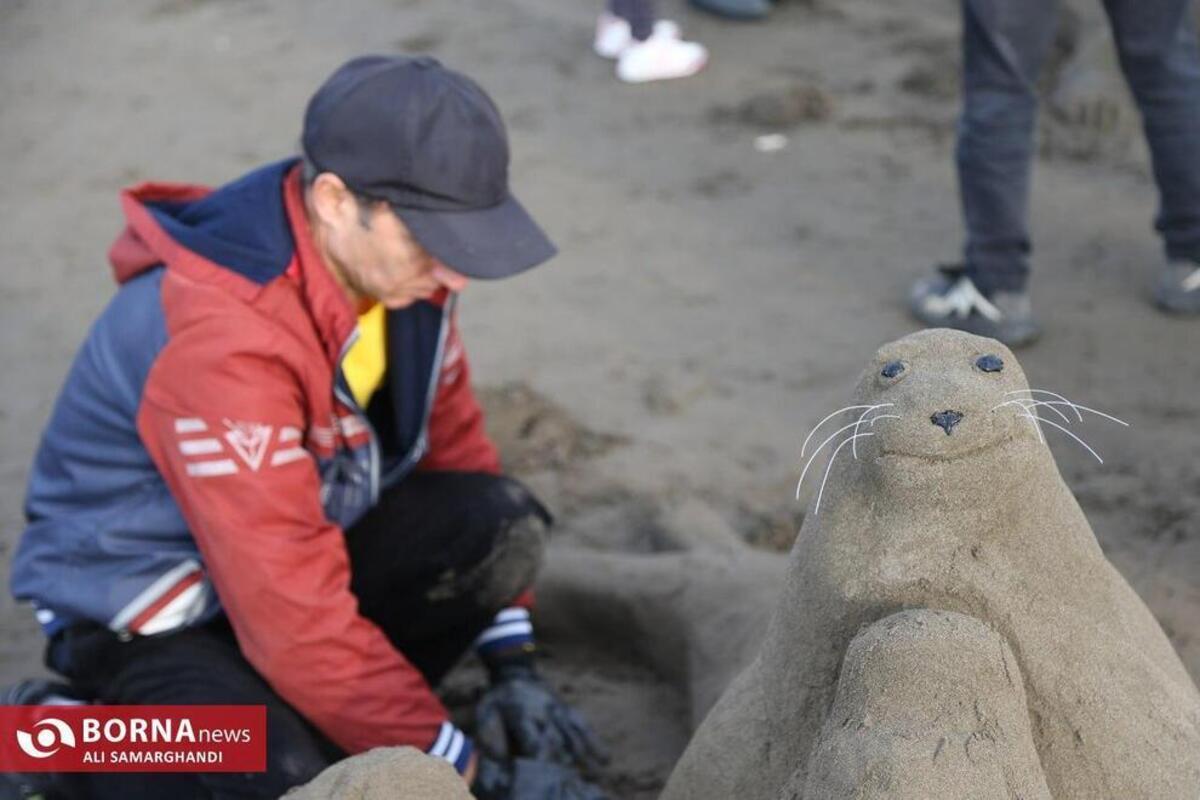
x,y
334,316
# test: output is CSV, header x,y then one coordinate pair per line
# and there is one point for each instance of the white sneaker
x,y
613,35
660,58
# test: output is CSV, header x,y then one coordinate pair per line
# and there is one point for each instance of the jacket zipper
x,y
422,443
348,400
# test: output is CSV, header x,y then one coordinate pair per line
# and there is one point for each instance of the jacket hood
x,y
237,234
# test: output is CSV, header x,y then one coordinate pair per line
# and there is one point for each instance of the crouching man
x,y
267,481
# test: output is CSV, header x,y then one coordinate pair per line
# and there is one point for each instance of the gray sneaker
x,y
1178,287
950,299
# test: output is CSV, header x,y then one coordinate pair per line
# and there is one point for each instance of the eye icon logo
x,y
50,736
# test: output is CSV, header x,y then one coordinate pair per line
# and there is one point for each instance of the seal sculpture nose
x,y
946,420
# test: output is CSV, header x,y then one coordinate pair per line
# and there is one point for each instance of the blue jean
x,y
1005,43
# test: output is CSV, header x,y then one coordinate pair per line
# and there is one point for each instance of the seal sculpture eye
x,y
892,369
990,363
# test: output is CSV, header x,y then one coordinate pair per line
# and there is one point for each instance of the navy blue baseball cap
x,y
430,142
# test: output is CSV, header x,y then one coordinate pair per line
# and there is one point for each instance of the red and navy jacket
x,y
205,454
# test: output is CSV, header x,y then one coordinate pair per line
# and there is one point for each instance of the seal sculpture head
x,y
941,396
940,495
948,412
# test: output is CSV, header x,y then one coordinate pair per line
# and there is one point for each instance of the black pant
x,y
431,564
638,13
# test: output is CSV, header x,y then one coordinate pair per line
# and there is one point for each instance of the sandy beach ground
x,y
711,302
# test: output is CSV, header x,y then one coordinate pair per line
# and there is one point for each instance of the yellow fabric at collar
x,y
366,361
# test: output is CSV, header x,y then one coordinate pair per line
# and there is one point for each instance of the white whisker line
x,y
1078,408
817,452
857,425
829,468
1029,406
1031,403
817,427
874,419
1052,394
853,438
1076,438
1036,421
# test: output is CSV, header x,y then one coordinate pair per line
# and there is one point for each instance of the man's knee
x,y
507,498
1003,112
515,561
519,527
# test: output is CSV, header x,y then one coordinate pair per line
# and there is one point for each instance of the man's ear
x,y
332,202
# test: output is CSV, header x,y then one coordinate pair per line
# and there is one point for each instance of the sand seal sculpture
x,y
948,626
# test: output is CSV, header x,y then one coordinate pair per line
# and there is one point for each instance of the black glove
x,y
527,779
521,717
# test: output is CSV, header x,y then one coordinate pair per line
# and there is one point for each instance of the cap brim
x,y
486,243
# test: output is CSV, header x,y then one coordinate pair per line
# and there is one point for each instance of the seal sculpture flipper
x,y
949,499
928,704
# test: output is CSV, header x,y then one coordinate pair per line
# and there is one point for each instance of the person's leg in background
x,y
1157,44
645,48
625,22
736,9
1004,45
638,13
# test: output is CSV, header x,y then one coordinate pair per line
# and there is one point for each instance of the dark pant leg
x,y
195,666
439,555
638,13
1004,45
1156,41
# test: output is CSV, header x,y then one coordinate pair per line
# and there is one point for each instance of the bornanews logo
x,y
133,738
51,735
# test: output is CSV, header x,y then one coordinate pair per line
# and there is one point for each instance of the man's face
x,y
377,258
383,261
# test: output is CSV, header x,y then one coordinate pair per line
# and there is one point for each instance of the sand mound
x,y
972,518
385,773
696,617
